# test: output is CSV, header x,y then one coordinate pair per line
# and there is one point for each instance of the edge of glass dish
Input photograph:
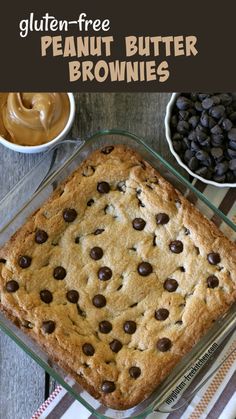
x,y
49,176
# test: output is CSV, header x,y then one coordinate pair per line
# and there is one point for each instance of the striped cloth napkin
x,y
216,399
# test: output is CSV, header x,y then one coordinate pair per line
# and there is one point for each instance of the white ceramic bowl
x,y
49,144
169,109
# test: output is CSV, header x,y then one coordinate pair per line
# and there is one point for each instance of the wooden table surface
x,y
23,384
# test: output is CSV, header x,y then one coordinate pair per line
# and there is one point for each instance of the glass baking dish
x,y
29,194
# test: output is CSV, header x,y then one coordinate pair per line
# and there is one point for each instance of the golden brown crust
x,y
137,191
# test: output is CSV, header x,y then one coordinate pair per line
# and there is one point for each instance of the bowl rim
x,y
168,114
42,147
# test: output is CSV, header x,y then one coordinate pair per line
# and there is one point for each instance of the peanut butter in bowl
x,y
33,119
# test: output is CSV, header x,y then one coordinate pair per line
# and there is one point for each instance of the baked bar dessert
x,y
117,276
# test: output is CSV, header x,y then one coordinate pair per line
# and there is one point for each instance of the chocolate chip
x,y
88,349
103,187
41,236
232,134
69,215
162,218
104,273
12,286
161,314
59,273
183,103
183,115
207,103
129,327
219,178
216,152
138,224
217,111
96,253
202,155
193,121
107,150
99,301
171,284
2,260
90,202
77,240
134,372
98,231
232,164
105,326
108,386
24,261
202,171
46,296
164,344
176,246
183,127
145,269
212,281
116,346
193,164
48,326
72,296
213,258
221,168
227,124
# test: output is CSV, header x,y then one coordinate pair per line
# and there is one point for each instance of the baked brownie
x,y
117,276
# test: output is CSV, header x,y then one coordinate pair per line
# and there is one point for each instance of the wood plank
x,y
22,382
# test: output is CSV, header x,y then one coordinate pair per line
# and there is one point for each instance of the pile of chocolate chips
x,y
203,128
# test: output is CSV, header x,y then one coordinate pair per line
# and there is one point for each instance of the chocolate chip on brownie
x,y
176,246
212,281
164,344
12,286
69,215
72,296
59,273
103,187
96,253
116,346
88,349
162,218
41,236
99,301
25,261
171,284
108,386
105,326
145,269
161,314
138,224
134,372
46,296
104,273
213,258
48,326
130,327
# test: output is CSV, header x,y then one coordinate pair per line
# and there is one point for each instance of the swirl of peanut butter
x,y
31,119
